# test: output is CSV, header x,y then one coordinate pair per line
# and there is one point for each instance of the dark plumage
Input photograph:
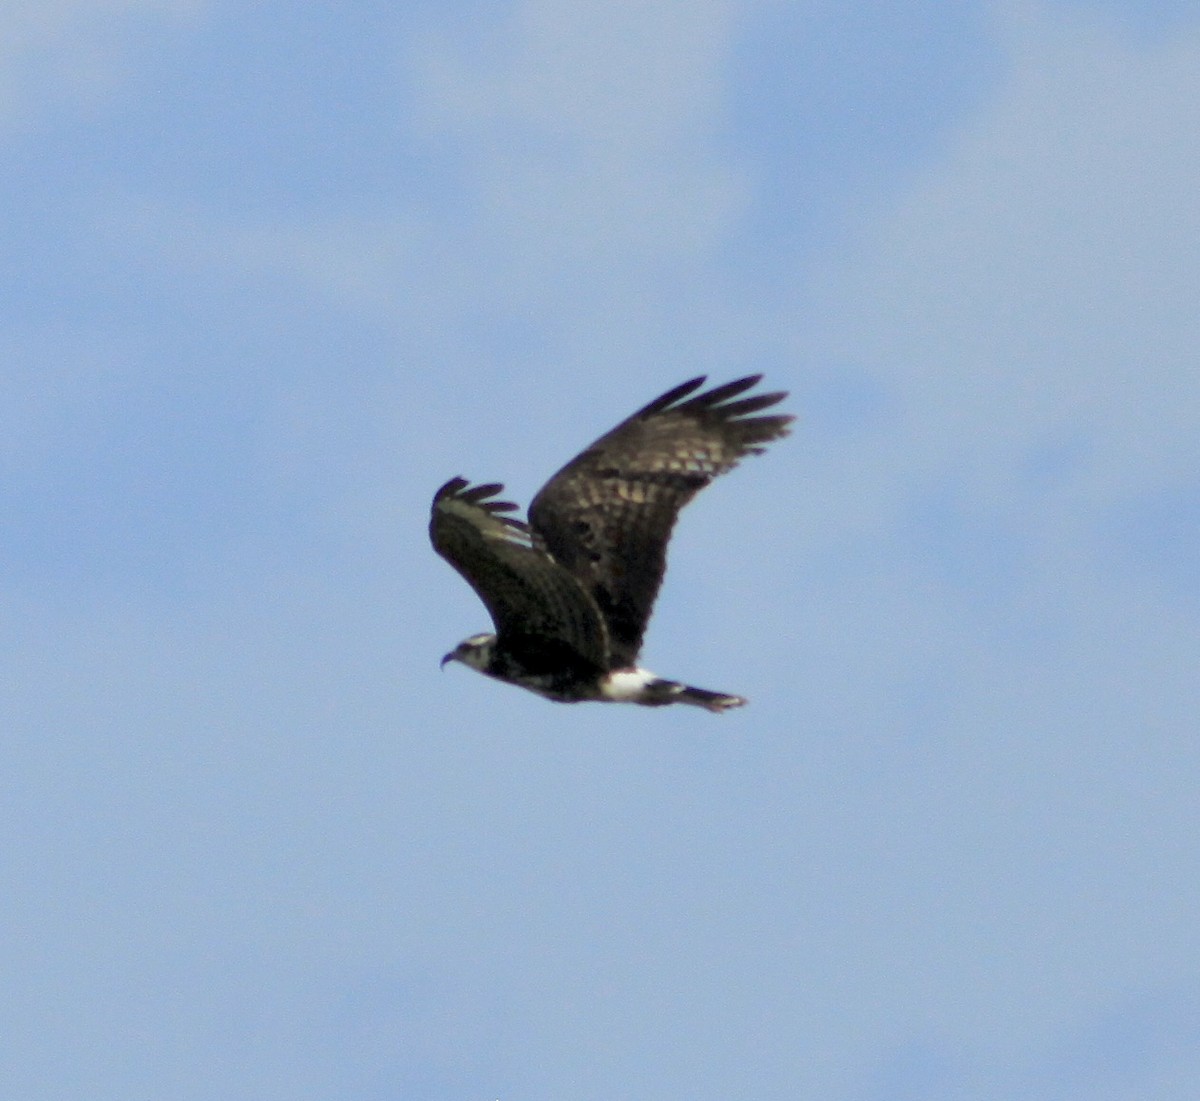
x,y
572,590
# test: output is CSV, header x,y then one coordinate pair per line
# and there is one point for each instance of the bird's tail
x,y
710,701
659,692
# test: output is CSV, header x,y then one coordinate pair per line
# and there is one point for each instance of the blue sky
x,y
274,275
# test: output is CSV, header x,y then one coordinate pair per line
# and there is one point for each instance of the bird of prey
x,y
570,591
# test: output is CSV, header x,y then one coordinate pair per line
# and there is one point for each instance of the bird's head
x,y
475,652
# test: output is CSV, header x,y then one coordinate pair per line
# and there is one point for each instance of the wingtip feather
x,y
450,488
459,489
673,395
719,394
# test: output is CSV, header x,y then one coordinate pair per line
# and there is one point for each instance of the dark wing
x,y
607,515
528,595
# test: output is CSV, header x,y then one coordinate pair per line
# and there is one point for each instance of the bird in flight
x,y
570,591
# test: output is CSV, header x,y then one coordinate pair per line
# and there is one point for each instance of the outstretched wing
x,y
528,595
608,514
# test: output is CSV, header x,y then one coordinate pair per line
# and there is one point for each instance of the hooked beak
x,y
449,657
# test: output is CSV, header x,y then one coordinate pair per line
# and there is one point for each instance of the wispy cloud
x,y
953,828
1037,285
72,51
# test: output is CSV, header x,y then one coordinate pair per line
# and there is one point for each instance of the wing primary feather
x,y
477,493
719,394
669,398
450,488
752,405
